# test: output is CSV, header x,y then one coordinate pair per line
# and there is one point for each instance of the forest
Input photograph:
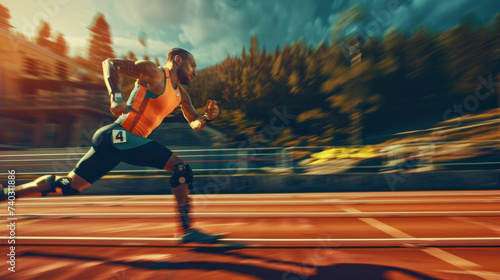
x,y
355,90
351,89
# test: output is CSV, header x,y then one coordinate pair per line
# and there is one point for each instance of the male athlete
x,y
156,94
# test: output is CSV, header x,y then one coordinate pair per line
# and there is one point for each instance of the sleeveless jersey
x,y
147,110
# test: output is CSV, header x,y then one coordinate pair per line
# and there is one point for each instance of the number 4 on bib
x,y
119,136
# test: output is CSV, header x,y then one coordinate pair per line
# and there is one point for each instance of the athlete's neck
x,y
174,80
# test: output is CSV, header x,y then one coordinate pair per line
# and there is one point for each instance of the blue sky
x,y
211,29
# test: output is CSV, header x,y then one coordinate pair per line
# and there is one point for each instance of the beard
x,y
183,77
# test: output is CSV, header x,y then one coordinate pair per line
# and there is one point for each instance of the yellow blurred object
x,y
345,152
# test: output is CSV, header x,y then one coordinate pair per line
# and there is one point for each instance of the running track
x,y
391,235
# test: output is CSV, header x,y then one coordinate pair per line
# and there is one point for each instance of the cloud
x,y
78,46
213,28
155,48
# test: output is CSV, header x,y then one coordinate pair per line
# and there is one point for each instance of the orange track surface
x,y
384,235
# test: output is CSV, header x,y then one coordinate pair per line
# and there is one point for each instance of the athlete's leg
x,y
156,155
36,187
70,184
141,151
88,170
181,182
77,182
180,192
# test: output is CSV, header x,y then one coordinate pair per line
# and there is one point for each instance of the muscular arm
x,y
196,121
113,68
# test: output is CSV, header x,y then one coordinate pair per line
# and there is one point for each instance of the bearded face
x,y
187,70
183,75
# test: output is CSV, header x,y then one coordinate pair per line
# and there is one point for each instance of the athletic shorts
x,y
113,144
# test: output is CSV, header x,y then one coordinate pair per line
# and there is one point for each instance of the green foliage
x,y
355,88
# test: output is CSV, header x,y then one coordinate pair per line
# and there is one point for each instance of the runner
x,y
157,93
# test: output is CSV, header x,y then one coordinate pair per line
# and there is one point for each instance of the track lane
x,y
285,245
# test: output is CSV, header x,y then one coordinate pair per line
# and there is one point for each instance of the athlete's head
x,y
183,63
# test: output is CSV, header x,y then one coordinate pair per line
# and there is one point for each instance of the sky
x,y
212,29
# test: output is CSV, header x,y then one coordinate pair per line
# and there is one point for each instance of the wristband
x,y
117,97
205,117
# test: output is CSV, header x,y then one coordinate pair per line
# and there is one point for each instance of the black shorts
x,y
113,144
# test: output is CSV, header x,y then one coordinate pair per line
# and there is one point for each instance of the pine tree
x,y
100,42
131,56
4,18
60,46
243,54
254,46
44,34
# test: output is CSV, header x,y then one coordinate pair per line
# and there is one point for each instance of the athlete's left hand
x,y
212,110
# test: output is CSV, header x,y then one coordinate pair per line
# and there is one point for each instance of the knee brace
x,y
182,175
64,184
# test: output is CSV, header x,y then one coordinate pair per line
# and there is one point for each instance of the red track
x,y
393,235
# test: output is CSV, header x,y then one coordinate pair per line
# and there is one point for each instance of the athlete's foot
x,y
194,235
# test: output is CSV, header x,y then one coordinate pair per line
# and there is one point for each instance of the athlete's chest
x,y
155,86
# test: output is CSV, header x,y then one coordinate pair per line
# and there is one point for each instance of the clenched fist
x,y
117,108
211,110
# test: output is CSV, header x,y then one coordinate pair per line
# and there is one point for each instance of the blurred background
x,y
388,87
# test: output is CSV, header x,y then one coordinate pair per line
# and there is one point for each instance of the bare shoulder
x,y
149,69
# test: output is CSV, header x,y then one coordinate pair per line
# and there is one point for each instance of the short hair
x,y
177,51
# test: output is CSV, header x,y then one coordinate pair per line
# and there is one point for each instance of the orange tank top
x,y
147,110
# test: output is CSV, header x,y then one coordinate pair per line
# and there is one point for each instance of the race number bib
x,y
119,136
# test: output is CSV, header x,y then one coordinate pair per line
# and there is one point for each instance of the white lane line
x,y
451,259
489,194
38,155
468,266
264,202
48,267
386,228
146,257
357,214
495,227
378,225
464,272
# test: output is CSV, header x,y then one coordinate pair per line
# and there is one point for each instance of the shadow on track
x,y
274,269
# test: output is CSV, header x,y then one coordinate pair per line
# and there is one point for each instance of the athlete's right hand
x,y
117,108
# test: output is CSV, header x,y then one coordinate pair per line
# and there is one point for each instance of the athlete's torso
x,y
147,109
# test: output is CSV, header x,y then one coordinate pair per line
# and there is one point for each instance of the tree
x,y
243,54
44,33
402,82
60,46
131,56
348,24
348,83
100,42
254,46
4,18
